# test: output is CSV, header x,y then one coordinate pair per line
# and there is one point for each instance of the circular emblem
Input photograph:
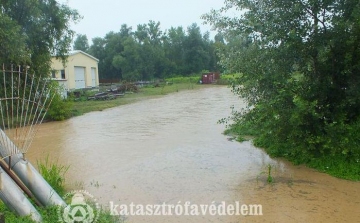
x,y
82,208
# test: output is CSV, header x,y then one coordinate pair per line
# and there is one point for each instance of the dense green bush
x,y
60,108
226,79
300,76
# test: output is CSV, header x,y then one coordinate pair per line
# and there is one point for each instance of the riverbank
x,y
335,166
171,149
78,102
82,107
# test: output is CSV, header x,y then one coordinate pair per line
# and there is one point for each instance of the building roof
x,y
73,52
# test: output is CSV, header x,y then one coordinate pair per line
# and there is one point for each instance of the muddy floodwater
x,y
171,149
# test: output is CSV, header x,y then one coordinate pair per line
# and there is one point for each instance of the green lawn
x,y
82,107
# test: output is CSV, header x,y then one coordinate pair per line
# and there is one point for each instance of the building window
x,y
62,74
53,73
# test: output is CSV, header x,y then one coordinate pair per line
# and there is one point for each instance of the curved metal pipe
x,y
31,178
34,181
15,199
19,183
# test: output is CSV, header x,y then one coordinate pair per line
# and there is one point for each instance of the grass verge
x,y
82,107
336,166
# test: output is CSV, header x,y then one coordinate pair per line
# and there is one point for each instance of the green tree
x,y
149,53
113,46
154,32
31,31
128,61
300,69
152,52
174,50
37,29
97,49
12,50
81,43
141,33
196,57
218,48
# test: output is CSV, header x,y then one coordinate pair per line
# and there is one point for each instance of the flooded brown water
x,y
172,150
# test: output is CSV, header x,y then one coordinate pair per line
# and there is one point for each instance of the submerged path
x,y
172,150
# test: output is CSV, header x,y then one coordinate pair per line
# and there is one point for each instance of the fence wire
x,y
24,101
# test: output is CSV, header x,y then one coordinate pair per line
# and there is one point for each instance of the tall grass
x,y
54,174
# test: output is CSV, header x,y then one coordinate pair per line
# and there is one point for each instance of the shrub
x,y
60,109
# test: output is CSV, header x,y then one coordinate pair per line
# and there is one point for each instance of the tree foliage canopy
x,y
300,66
148,52
32,30
81,43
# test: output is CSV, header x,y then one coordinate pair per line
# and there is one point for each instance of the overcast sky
x,y
103,16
